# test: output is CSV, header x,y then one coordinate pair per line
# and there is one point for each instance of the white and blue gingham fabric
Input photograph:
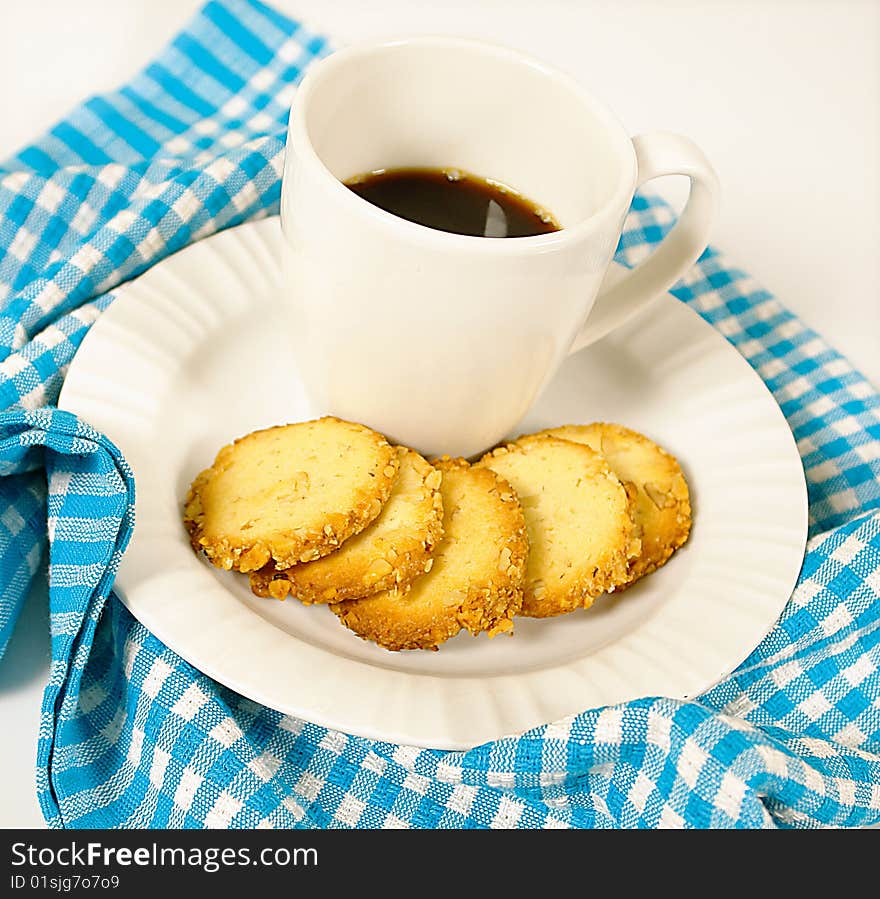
x,y
133,736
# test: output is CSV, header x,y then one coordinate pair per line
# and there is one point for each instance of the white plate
x,y
191,355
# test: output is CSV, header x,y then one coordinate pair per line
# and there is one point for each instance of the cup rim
x,y
298,134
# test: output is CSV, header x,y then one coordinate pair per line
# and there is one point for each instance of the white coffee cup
x,y
443,341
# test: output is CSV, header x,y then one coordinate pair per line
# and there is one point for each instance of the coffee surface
x,y
455,201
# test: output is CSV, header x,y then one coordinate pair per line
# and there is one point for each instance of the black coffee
x,y
453,200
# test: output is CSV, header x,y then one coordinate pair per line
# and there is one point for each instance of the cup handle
x,y
623,296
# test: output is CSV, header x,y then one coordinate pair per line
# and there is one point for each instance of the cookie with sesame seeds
x,y
289,494
474,580
390,553
653,479
578,518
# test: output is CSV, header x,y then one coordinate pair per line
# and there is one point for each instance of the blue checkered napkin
x,y
133,736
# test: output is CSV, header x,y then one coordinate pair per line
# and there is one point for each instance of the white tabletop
x,y
784,97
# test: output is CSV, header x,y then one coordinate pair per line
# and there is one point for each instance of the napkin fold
x,y
133,736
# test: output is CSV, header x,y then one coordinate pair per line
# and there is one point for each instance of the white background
x,y
783,95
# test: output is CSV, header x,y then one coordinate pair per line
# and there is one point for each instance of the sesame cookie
x,y
654,481
474,580
391,552
289,494
580,529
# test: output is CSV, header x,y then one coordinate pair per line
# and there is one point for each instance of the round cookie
x,y
581,532
391,552
654,481
289,494
474,580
